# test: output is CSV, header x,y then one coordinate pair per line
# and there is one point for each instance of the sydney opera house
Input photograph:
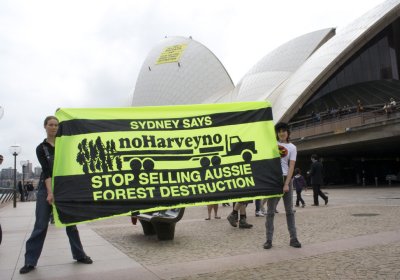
x,y
338,88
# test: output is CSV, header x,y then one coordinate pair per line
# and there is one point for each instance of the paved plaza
x,y
356,236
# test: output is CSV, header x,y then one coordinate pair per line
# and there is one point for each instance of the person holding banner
x,y
45,199
288,153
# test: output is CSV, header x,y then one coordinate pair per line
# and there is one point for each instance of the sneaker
x,y
295,243
26,268
302,206
326,201
259,214
244,224
268,244
232,219
85,260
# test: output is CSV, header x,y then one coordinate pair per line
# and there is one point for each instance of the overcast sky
x,y
89,53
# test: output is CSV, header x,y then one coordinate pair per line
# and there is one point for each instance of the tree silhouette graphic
x,y
97,156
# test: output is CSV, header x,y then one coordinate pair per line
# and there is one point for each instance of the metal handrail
x,y
6,195
310,128
369,112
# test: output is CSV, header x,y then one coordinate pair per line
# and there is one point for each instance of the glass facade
x,y
367,155
379,59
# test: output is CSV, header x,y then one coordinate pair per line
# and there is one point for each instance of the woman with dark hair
x,y
288,153
44,201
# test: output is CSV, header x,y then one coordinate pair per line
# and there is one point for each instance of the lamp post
x,y
15,150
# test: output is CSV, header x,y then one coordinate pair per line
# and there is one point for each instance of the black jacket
x,y
47,167
316,173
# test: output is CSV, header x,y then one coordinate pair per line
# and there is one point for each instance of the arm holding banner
x,y
44,157
50,197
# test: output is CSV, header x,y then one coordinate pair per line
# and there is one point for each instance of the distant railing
x,y
328,123
6,195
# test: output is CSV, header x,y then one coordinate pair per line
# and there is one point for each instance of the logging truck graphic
x,y
96,156
233,146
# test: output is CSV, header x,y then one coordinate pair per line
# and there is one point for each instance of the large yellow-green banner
x,y
116,161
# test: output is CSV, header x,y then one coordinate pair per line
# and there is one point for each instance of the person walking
x,y
317,180
45,198
299,183
288,153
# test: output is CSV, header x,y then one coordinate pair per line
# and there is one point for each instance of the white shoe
x,y
259,214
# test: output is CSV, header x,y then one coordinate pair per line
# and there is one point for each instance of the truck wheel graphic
x,y
205,162
136,164
247,156
216,160
148,164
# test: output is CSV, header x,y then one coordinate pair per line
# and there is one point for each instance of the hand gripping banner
x,y
115,161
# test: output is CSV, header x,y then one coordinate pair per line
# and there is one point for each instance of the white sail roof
x,y
180,71
287,77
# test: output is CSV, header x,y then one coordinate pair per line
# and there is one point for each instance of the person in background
x,y
21,191
299,183
210,208
258,213
392,103
44,201
31,191
288,153
262,206
360,107
317,180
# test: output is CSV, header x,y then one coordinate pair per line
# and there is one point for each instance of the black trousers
x,y
317,192
299,198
